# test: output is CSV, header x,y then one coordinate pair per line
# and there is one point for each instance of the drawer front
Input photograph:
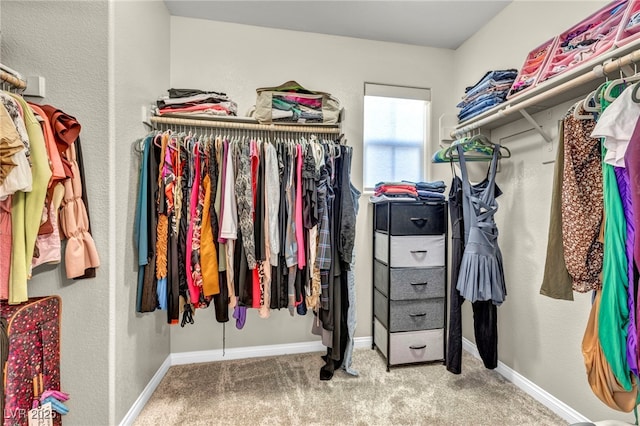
x,y
417,219
382,217
410,315
416,346
416,251
380,336
380,307
413,283
381,277
381,249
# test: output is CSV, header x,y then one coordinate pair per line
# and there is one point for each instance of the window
x,y
396,128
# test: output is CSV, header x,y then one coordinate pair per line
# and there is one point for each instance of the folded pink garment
x,y
199,107
412,191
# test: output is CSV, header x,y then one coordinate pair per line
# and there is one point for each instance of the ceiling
x,y
445,24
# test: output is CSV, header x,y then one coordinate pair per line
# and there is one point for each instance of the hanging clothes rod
x,y
325,129
599,71
12,80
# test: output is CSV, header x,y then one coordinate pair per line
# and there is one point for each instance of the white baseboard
x,y
363,342
539,394
180,358
139,404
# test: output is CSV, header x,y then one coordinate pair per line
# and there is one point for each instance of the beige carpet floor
x,y
286,390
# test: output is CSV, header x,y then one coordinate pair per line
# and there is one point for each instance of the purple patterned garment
x,y
622,177
632,161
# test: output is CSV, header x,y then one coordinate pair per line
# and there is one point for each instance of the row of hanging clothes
x,y
477,274
249,221
42,200
592,246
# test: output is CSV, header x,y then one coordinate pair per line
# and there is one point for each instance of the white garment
x,y
616,125
277,114
19,178
229,225
272,190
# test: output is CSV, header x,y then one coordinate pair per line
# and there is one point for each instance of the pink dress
x,y
80,253
298,212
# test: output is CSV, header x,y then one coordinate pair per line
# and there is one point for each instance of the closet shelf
x,y
245,123
565,87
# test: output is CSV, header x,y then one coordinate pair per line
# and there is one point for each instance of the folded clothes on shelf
x,y
491,90
196,102
398,191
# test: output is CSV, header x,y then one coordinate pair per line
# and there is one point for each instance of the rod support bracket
x,y
537,127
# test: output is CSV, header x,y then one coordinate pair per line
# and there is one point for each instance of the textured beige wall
x,y
238,59
141,66
539,337
67,42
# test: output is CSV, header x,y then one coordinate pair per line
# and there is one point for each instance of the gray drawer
x,y
410,346
409,283
415,283
415,251
380,277
410,315
380,307
416,346
417,219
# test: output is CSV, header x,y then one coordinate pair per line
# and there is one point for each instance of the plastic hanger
x,y
620,81
476,148
576,112
591,98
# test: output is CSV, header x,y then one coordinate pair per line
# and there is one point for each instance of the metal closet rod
x,y
13,80
597,72
244,126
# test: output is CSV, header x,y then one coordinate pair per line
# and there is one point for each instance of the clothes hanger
x,y
576,112
591,98
620,81
634,93
476,148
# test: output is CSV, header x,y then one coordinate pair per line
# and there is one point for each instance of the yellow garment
x,y
599,374
26,209
208,254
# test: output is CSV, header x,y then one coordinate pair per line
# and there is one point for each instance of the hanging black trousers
x,y
485,315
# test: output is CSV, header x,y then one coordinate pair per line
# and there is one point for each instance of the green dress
x,y
613,317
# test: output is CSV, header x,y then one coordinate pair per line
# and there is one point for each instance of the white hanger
x,y
576,112
620,81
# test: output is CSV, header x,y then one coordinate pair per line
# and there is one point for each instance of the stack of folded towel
x,y
410,191
196,103
491,90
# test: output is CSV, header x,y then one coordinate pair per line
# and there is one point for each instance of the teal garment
x,y
613,318
142,220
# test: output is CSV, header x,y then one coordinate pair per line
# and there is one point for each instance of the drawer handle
x,y
418,251
419,219
424,283
424,314
414,347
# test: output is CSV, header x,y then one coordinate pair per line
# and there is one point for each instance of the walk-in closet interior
x,y
503,249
